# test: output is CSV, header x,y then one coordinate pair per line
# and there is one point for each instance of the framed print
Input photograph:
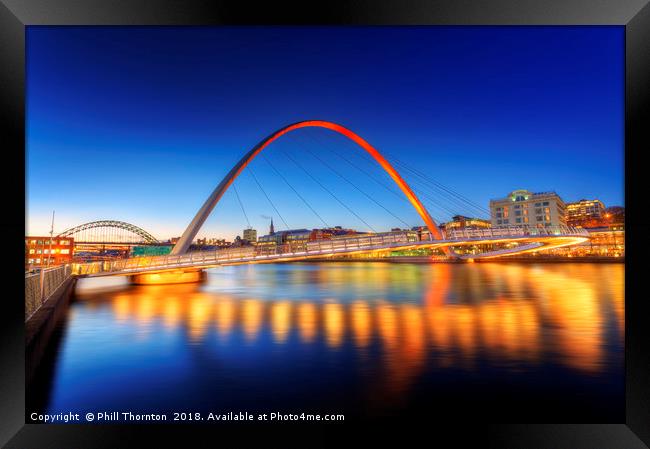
x,y
254,222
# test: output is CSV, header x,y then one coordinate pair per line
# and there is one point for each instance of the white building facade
x,y
525,208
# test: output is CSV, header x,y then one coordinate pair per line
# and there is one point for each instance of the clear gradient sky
x,y
140,124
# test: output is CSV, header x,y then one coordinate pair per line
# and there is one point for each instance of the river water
x,y
502,342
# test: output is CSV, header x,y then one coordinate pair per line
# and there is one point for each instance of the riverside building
x,y
525,208
584,211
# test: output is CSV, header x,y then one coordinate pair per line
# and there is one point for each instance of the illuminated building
x,y
582,211
462,222
38,250
268,243
423,232
605,241
297,238
525,208
291,237
219,243
207,244
250,234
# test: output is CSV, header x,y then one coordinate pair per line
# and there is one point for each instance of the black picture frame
x,y
634,15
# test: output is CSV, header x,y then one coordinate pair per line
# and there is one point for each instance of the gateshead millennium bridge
x,y
180,263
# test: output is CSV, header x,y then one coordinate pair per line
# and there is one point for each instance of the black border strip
x,y
633,14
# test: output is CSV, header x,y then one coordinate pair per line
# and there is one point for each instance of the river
x,y
506,342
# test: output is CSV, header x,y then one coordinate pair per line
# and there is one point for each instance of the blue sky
x,y
140,124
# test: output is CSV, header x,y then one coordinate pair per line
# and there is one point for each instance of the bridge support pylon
x,y
168,277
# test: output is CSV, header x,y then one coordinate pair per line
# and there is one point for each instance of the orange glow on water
x,y
387,324
361,323
121,307
512,315
334,324
225,316
172,312
251,317
307,321
198,316
281,320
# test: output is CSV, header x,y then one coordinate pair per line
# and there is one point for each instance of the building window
x,y
517,212
65,251
499,222
545,203
538,210
499,215
538,218
506,221
31,251
518,220
525,219
30,261
38,251
65,242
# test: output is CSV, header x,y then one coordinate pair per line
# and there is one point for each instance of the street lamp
x,y
49,254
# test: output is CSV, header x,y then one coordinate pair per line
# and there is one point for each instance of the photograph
x,y
322,223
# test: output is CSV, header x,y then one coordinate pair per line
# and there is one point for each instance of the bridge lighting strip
x,y
565,241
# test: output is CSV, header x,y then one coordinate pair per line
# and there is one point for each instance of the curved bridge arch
x,y
193,228
110,224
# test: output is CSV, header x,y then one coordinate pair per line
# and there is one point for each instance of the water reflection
x,y
515,312
399,321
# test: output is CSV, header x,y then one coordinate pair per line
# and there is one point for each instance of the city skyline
x,y
141,124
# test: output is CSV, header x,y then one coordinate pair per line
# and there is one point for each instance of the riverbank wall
x,y
42,324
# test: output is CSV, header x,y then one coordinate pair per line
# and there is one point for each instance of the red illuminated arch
x,y
193,228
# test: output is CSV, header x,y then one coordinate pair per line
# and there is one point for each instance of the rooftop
x,y
525,195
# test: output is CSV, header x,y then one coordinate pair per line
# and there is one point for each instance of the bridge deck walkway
x,y
528,239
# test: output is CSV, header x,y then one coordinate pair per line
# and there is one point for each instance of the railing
x,y
310,248
504,251
259,252
515,231
40,286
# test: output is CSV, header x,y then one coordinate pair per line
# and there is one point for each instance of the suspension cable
x,y
441,206
329,191
369,175
241,205
267,197
399,195
452,201
426,192
357,188
458,198
295,191
431,181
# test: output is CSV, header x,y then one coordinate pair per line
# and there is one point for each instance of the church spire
x,y
271,229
